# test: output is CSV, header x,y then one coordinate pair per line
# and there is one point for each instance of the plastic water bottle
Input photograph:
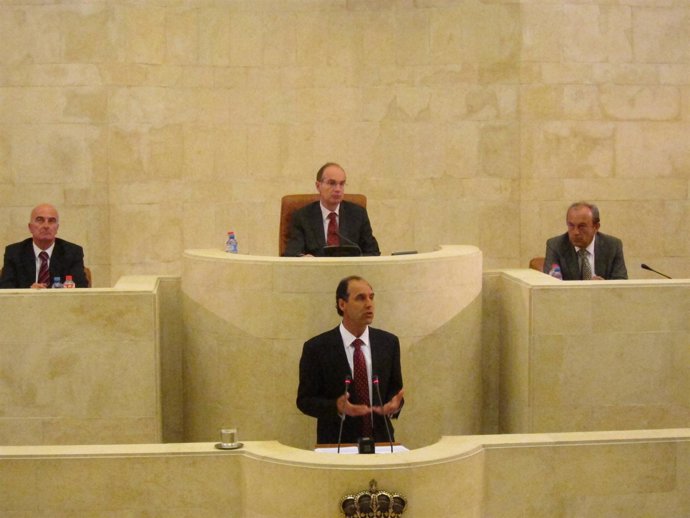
x,y
231,243
69,283
57,283
556,271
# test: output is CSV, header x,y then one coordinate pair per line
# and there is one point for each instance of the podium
x,y
247,318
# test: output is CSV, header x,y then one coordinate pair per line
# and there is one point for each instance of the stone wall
x,y
156,126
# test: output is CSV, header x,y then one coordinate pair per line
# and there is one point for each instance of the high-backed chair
x,y
292,202
537,263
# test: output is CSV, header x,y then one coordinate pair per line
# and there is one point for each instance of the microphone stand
x,y
348,380
375,382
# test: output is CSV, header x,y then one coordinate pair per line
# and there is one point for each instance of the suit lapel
x,y
57,259
339,351
572,263
316,222
599,256
378,356
29,260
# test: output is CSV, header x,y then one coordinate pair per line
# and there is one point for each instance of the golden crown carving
x,y
373,503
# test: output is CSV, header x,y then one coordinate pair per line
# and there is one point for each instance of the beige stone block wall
x,y
609,355
157,126
84,366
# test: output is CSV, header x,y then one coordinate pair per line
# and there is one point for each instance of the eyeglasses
x,y
332,183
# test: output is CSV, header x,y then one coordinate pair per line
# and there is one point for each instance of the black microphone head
x,y
645,266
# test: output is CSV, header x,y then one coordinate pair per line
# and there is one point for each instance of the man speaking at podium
x,y
331,221
350,377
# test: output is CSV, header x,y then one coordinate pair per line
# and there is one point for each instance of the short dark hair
x,y
319,174
342,291
590,206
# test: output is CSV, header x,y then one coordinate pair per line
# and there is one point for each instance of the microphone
x,y
348,380
375,382
645,267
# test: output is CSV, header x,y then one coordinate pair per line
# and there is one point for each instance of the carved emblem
x,y
373,504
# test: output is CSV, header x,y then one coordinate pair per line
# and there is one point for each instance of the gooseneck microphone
x,y
348,380
349,241
375,382
645,267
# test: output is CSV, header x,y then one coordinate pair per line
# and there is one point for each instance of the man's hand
x,y
347,408
392,406
38,286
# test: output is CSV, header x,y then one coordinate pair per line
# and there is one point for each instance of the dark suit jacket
x,y
322,372
608,257
307,236
19,268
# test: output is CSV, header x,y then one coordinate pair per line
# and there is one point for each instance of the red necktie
x,y
332,237
361,385
43,273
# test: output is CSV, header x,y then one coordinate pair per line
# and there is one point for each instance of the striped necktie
x,y
43,272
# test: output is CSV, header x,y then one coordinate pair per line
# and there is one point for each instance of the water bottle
x,y
231,243
556,271
69,283
57,283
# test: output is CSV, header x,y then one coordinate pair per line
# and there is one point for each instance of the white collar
x,y
325,212
38,250
348,337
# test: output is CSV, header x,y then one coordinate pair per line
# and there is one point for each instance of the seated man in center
x,y
330,221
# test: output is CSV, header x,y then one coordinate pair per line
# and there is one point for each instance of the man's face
x,y
358,309
44,225
331,187
581,228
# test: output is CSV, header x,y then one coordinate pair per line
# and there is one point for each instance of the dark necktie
x,y
361,385
332,237
585,267
43,273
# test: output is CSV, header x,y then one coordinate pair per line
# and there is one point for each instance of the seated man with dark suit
x,y
34,262
331,220
353,355
584,253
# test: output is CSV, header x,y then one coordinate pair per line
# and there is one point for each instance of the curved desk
x,y
510,476
247,317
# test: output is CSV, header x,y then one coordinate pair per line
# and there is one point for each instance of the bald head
x,y
44,224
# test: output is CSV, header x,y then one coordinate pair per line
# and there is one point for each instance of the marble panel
x,y
619,469
652,150
143,29
594,33
661,32
656,103
182,35
214,40
87,34
541,34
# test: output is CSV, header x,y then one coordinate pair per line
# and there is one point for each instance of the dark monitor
x,y
342,251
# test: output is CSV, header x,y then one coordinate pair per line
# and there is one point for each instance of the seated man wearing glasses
x,y
330,221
